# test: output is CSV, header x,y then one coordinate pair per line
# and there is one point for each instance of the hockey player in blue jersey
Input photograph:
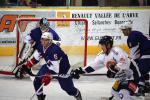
x,y
56,63
33,39
36,33
139,45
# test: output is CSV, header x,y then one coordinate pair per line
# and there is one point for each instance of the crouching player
x,y
117,62
56,63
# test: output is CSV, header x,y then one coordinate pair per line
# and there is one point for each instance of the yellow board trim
x,y
7,51
70,50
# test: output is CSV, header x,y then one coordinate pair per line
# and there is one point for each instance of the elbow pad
x,y
31,62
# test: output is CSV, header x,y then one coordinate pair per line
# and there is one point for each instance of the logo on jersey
x,y
55,56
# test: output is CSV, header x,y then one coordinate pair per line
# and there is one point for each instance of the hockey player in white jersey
x,y
33,39
117,63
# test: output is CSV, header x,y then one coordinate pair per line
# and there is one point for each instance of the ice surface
x,y
91,87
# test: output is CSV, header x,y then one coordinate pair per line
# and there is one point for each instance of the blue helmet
x,y
106,40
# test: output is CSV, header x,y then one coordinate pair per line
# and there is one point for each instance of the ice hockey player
x,y
117,62
139,45
33,39
56,63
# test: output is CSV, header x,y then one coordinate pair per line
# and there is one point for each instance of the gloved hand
x,y
46,79
111,72
76,73
20,73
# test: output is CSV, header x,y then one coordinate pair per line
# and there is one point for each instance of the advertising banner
x,y
100,22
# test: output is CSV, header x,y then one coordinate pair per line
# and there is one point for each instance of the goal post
x,y
73,34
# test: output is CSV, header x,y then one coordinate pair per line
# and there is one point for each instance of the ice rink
x,y
91,87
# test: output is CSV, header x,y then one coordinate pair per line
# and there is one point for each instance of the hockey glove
x,y
76,73
26,68
111,71
46,79
20,73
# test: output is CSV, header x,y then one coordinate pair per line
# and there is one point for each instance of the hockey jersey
x,y
36,33
53,56
139,44
115,54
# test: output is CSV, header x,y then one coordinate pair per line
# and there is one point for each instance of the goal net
x,y
73,34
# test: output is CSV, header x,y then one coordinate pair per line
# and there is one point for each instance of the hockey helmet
x,y
106,40
44,21
47,35
44,24
126,25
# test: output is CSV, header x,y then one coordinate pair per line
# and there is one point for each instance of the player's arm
x,y
26,68
133,44
120,67
27,48
91,67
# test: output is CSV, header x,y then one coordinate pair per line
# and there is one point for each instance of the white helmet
x,y
47,35
126,25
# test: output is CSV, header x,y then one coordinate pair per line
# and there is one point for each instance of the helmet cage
x,y
44,24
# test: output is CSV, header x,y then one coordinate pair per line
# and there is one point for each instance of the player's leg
x,y
147,83
115,90
68,86
125,94
144,83
121,90
144,69
67,83
38,81
144,66
115,95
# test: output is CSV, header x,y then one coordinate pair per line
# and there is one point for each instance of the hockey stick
x,y
54,76
37,91
19,65
65,75
32,77
100,74
68,75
